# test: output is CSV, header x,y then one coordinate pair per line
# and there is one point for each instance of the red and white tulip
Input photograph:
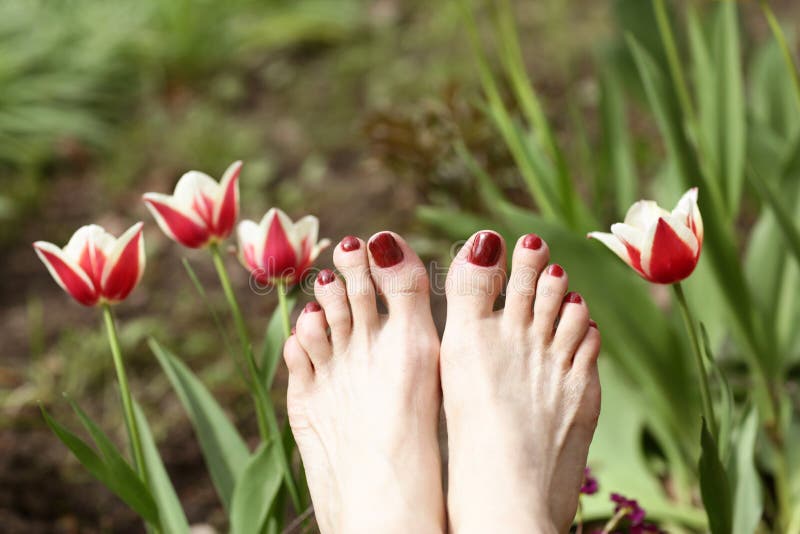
x,y
95,267
662,246
201,211
279,249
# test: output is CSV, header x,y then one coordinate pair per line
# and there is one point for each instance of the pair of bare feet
x,y
520,389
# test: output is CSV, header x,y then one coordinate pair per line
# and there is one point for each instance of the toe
x,y
572,325
530,257
332,296
297,361
476,276
399,275
350,258
585,361
312,334
550,290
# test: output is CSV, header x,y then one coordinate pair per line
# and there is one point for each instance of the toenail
x,y
486,249
532,241
325,277
350,243
555,270
573,298
312,306
385,250
592,324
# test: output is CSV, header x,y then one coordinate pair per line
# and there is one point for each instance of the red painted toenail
x,y
573,298
325,277
592,324
486,249
385,250
312,306
532,241
555,270
350,243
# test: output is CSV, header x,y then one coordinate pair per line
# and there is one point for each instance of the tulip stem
x,y
125,393
705,393
282,292
265,414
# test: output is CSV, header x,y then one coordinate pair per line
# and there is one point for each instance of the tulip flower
x,y
662,247
201,211
278,250
95,267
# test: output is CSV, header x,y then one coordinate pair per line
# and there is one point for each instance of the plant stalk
x,y
691,329
265,414
125,392
284,306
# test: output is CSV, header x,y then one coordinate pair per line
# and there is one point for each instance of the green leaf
x,y
273,344
170,512
731,134
618,153
255,491
714,485
784,218
142,503
224,450
124,481
748,499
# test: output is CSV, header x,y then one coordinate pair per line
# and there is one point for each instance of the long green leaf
x,y
224,450
102,471
783,216
618,153
748,502
273,344
255,491
730,99
170,512
125,481
714,485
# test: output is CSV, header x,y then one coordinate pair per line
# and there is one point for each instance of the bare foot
x,y
521,390
364,400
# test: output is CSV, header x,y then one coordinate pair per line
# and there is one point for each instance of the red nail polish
x,y
555,270
325,277
350,243
312,306
592,324
486,248
532,241
385,250
573,298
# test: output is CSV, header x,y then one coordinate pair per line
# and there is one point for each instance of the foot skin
x,y
364,395
521,389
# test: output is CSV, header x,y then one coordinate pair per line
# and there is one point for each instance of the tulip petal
x,y
178,223
227,203
125,265
632,239
278,255
618,247
644,214
250,239
688,210
67,273
90,246
672,252
199,192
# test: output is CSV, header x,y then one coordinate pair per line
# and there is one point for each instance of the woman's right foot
x,y
521,389
363,401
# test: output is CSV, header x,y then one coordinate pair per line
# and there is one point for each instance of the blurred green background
x,y
355,111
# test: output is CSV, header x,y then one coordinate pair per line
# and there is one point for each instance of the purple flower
x,y
590,485
634,512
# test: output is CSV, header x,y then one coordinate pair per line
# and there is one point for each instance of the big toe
x,y
476,276
399,276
